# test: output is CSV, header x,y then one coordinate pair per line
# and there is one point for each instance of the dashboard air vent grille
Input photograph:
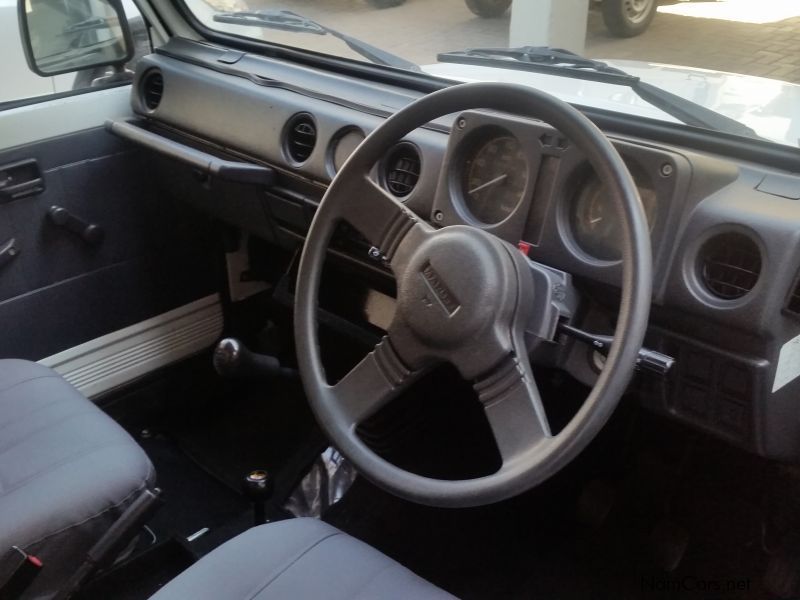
x,y
301,137
152,89
402,170
730,265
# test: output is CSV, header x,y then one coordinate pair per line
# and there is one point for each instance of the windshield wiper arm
x,y
286,20
555,61
538,55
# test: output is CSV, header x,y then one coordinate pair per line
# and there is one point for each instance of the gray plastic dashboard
x,y
725,233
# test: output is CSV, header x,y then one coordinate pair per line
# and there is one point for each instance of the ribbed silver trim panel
x,y
120,357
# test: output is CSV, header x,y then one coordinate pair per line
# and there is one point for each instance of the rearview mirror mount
x,y
61,36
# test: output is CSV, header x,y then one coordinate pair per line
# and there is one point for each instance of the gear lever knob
x,y
258,487
233,359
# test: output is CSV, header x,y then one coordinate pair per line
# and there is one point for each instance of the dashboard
x,y
725,232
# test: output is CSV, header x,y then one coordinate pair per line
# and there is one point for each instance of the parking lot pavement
x,y
754,37
769,49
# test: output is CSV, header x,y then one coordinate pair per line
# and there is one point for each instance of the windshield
x,y
729,65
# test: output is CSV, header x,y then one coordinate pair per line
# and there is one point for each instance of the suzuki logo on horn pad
x,y
439,290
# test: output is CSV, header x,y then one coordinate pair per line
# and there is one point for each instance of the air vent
x,y
401,170
152,89
301,137
729,265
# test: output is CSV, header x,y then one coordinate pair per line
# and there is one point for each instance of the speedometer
x,y
594,221
494,176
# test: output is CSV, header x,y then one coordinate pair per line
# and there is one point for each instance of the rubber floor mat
x,y
250,426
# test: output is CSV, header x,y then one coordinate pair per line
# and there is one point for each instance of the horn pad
x,y
459,284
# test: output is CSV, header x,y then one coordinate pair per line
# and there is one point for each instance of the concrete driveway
x,y
756,37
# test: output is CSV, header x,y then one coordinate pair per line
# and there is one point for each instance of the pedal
x,y
782,577
595,503
668,543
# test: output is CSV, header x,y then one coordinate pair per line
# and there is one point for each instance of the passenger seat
x,y
67,472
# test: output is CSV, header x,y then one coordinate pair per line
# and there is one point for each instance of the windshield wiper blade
x,y
286,20
537,55
556,61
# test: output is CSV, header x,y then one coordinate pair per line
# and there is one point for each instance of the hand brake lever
x,y
648,360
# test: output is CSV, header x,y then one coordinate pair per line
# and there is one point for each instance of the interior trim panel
x,y
113,360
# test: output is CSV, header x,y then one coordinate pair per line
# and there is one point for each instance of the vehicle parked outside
x,y
624,18
628,18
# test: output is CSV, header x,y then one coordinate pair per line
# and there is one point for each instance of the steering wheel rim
x,y
405,241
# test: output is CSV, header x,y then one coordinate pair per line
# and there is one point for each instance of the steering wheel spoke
x,y
372,383
380,217
514,409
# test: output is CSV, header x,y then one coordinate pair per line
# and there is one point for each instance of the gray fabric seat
x,y
67,471
295,560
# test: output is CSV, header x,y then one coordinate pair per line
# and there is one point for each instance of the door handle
x,y
8,252
20,179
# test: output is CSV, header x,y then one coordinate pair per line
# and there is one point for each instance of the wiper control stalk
x,y
648,360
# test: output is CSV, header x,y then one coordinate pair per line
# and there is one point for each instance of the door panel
x,y
60,291
11,278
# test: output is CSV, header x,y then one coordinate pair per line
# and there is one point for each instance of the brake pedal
x,y
782,576
668,542
595,503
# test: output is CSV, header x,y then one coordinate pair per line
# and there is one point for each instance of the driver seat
x,y
294,559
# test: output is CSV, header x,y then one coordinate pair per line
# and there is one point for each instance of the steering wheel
x,y
465,297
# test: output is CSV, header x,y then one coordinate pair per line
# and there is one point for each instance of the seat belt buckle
x,y
24,569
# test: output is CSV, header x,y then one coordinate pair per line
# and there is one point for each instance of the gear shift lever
x,y
234,359
258,487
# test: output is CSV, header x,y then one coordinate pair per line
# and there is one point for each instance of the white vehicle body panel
x,y
769,106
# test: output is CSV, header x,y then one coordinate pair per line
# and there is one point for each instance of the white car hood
x,y
768,106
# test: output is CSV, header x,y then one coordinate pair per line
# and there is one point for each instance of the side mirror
x,y
61,36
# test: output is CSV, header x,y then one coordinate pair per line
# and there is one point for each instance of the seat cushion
x,y
67,471
294,559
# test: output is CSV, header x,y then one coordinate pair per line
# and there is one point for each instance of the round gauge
x,y
594,221
344,146
494,176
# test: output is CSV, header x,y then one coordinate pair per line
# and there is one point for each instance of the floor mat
x,y
246,426
193,499
536,545
477,553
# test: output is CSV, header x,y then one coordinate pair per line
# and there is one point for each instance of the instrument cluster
x,y
524,182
